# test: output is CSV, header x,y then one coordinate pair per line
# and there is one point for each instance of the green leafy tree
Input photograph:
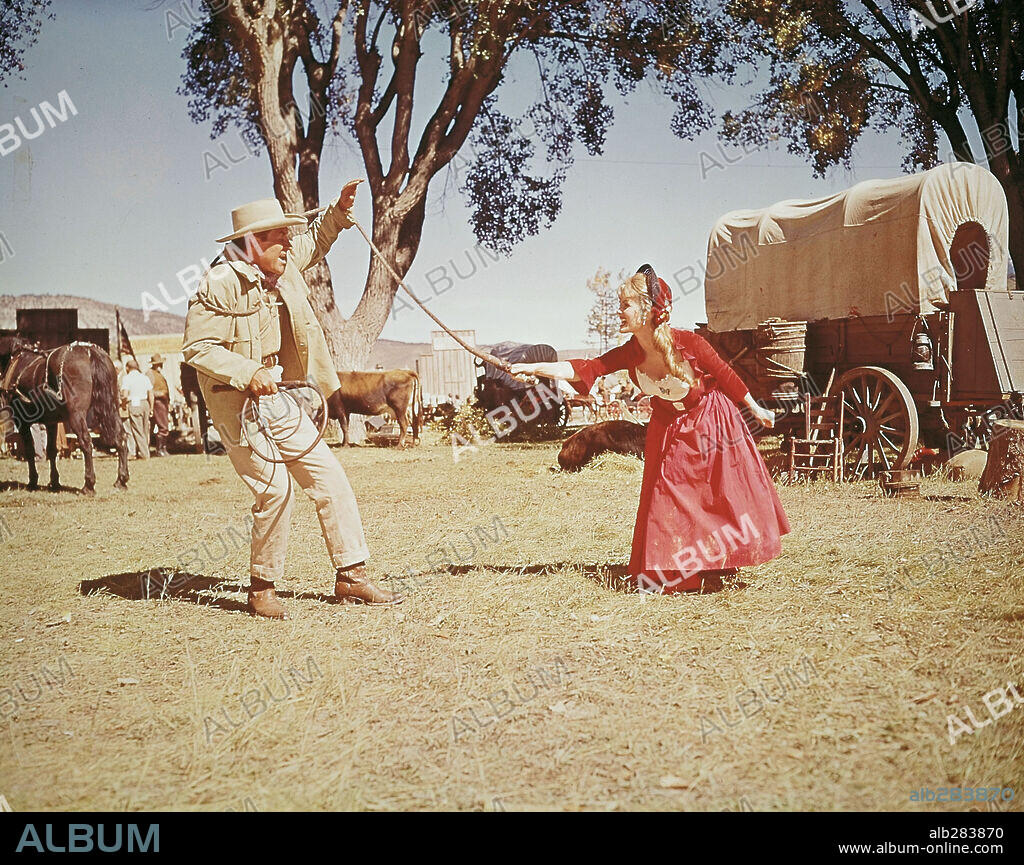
x,y
925,68
364,64
20,23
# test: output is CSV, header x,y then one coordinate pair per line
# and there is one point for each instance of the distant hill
x,y
389,353
392,354
91,313
574,353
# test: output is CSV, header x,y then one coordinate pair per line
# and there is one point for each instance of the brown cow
x,y
617,436
373,393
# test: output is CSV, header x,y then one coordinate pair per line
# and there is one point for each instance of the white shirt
x,y
136,386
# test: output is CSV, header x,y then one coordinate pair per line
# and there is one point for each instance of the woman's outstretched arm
x,y
559,369
582,374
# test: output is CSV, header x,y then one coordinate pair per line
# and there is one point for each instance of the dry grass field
x,y
520,676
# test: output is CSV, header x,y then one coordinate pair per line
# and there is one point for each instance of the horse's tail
x,y
417,407
104,413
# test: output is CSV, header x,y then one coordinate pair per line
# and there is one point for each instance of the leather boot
x,y
352,587
263,600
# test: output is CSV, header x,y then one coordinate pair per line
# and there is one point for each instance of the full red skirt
x,y
707,501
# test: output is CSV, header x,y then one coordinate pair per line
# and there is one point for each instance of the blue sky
x,y
122,196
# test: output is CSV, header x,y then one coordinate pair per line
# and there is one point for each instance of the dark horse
x,y
76,384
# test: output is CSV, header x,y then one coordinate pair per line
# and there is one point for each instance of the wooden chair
x,y
821,448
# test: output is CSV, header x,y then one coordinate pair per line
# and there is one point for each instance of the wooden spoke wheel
x,y
880,426
564,413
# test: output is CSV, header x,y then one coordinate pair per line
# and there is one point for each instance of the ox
x,y
617,436
373,393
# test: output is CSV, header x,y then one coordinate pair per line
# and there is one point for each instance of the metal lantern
x,y
921,352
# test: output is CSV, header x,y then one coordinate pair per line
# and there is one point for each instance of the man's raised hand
x,y
348,194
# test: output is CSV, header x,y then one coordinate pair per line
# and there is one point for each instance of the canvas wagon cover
x,y
840,256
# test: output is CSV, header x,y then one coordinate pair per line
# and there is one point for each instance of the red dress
x,y
707,501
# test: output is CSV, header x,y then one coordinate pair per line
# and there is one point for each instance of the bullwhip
x,y
486,357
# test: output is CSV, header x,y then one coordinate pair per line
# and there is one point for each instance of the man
x,y
138,390
180,418
161,402
251,316
122,408
38,438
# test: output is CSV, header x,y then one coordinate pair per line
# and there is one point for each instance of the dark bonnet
x,y
661,296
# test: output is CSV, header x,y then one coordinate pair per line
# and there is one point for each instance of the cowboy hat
x,y
155,359
262,215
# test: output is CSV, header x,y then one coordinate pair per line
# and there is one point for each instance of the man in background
x,y
161,402
122,408
138,390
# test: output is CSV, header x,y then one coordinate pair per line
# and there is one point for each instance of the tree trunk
x,y
351,341
1015,205
398,240
1015,201
1003,168
1005,466
321,298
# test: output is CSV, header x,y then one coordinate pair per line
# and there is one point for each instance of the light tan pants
x,y
139,425
318,473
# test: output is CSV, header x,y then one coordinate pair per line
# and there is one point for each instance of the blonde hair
x,y
635,288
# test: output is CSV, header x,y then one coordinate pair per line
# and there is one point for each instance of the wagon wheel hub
x,y
880,429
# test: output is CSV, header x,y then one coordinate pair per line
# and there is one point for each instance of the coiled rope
x,y
251,411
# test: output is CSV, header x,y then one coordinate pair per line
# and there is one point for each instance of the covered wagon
x,y
893,292
531,404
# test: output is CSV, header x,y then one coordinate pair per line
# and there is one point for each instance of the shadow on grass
x,y
920,498
613,577
164,584
6,486
158,584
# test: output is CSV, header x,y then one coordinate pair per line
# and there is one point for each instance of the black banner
x,y
982,835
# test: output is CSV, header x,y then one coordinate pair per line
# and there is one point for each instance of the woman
x,y
707,504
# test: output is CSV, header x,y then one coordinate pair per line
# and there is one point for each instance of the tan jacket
x,y
224,321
